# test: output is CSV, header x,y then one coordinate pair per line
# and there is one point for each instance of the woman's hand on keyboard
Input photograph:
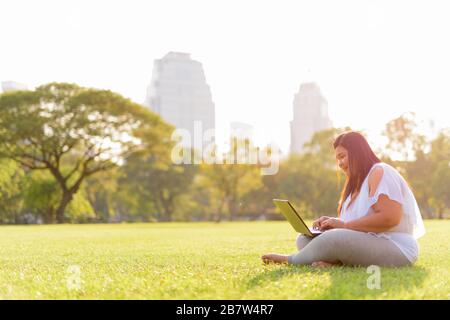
x,y
317,224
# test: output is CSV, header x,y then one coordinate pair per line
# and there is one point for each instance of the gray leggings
x,y
348,247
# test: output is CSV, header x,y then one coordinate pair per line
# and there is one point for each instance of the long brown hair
x,y
361,158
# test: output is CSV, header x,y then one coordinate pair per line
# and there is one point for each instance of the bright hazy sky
x,y
373,60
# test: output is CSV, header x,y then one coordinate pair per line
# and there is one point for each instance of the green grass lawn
x,y
197,261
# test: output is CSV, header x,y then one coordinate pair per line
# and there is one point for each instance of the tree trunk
x,y
441,213
167,204
233,208
167,212
49,216
219,211
66,198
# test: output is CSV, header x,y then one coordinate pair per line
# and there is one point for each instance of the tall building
x,y
8,86
310,115
178,92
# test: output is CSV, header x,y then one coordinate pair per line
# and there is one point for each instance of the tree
x,y
321,146
231,180
11,201
440,174
101,192
403,138
42,195
60,125
156,179
417,173
441,187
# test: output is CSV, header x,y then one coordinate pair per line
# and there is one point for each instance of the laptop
x,y
294,218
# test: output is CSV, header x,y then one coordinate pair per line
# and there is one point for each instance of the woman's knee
x,y
302,241
334,239
338,235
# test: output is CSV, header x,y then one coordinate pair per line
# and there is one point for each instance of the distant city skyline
x,y
373,60
180,94
310,115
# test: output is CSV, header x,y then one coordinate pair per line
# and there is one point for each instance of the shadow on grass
x,y
348,282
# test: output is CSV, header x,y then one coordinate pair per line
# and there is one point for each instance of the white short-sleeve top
x,y
393,185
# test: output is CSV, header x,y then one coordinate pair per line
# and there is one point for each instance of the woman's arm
x,y
387,214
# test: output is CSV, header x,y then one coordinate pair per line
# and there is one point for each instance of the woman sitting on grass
x,y
378,217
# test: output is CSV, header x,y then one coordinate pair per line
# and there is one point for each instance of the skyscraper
x,y
178,92
310,115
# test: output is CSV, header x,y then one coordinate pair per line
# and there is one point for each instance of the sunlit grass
x,y
197,261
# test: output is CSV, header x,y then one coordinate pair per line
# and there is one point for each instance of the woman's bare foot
x,y
274,258
323,264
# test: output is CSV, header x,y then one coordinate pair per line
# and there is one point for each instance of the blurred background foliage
x,y
54,168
